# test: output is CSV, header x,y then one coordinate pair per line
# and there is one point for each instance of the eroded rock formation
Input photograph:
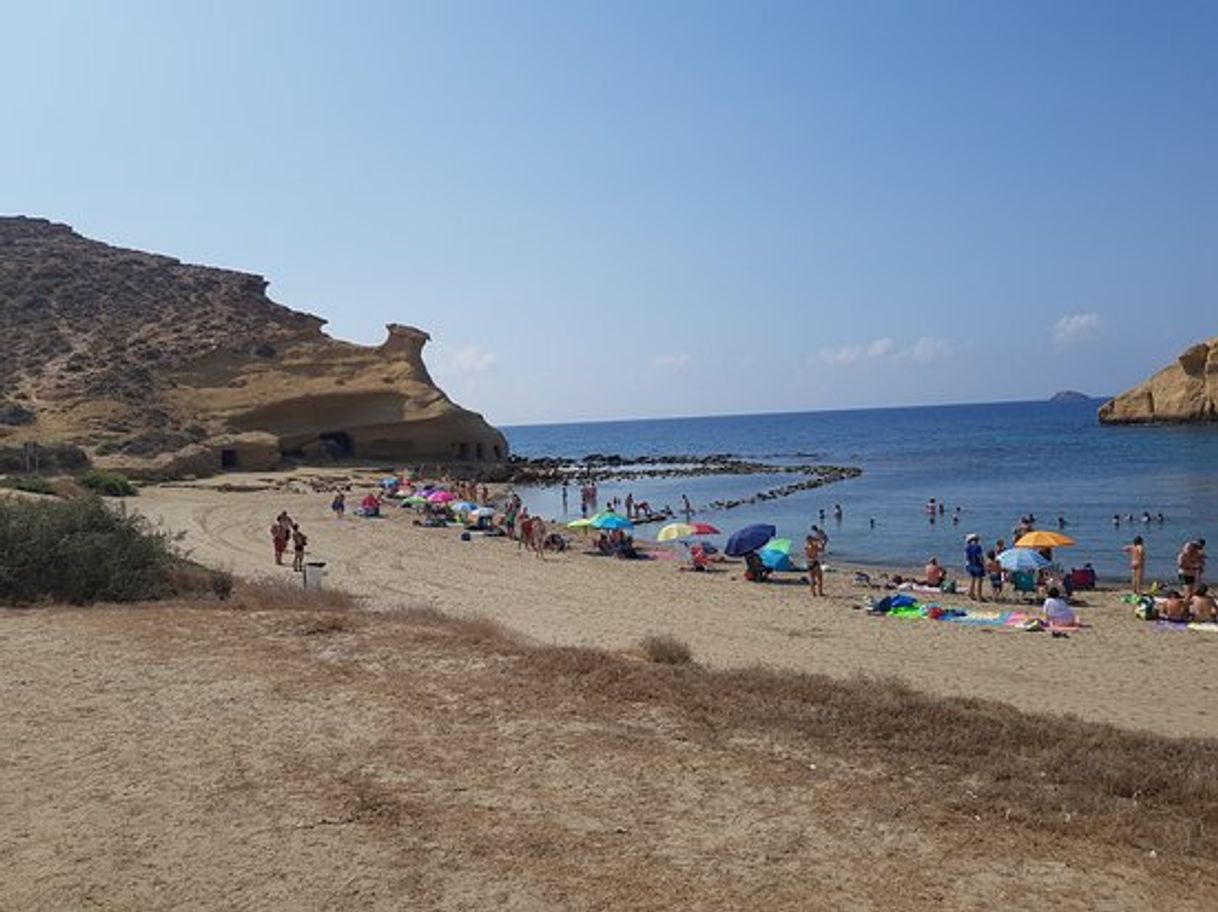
x,y
1185,390
158,367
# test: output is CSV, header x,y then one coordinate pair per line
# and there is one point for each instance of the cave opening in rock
x,y
337,445
478,452
229,460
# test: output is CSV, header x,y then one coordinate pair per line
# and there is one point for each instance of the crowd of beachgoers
x,y
1026,571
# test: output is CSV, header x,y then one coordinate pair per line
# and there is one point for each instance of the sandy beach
x,y
1119,670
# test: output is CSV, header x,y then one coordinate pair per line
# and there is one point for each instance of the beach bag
x,y
1146,610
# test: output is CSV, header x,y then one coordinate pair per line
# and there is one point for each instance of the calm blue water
x,y
994,461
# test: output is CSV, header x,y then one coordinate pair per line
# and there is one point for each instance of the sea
x,y
994,462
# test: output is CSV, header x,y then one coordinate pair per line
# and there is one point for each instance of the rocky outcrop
x,y
163,368
1184,391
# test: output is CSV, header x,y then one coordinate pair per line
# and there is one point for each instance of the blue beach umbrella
x,y
611,521
750,538
1022,559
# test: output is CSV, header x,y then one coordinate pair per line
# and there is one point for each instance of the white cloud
x,y
675,359
1074,327
928,349
469,359
885,348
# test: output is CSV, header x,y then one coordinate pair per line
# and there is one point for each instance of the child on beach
x,y
339,505
994,570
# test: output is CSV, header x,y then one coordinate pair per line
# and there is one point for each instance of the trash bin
x,y
313,572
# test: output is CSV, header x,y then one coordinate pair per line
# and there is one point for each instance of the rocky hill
x,y
1184,391
156,366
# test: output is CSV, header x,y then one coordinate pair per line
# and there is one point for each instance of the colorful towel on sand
x,y
1163,625
996,620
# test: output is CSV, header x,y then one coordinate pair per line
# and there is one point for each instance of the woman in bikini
x,y
814,550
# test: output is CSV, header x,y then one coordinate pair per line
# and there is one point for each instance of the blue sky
x,y
629,209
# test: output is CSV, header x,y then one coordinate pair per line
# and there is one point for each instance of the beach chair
x,y
1023,582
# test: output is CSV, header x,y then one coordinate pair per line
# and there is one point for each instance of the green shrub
x,y
33,484
108,484
81,551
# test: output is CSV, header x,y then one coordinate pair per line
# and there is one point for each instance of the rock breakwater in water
x,y
600,467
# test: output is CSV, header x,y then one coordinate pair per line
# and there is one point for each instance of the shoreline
x,y
1119,671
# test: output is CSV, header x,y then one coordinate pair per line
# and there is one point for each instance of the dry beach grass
x,y
264,754
395,746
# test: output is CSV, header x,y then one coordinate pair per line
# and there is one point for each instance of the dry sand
x,y
1119,671
279,757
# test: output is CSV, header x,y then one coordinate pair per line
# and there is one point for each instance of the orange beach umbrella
x,y
1044,539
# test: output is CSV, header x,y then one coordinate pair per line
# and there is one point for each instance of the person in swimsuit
x,y
993,569
298,546
1137,560
814,550
1188,565
1202,605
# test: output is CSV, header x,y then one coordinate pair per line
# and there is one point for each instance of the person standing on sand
x,y
279,539
814,550
1188,565
339,505
974,564
630,506
1137,560
298,547
686,507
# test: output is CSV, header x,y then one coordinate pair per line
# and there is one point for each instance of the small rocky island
x,y
1184,391
1069,396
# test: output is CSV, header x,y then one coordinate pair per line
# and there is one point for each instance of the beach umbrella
x,y
1039,539
1022,559
484,511
463,506
413,500
750,538
611,521
777,554
580,523
441,497
673,531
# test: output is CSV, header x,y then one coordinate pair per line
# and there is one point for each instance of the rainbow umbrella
x,y
440,497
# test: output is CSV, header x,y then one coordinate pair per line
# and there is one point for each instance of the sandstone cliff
x,y
156,366
1185,390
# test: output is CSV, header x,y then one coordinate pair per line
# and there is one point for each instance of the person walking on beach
x,y
686,507
814,550
630,506
339,505
298,547
279,539
1137,560
974,565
